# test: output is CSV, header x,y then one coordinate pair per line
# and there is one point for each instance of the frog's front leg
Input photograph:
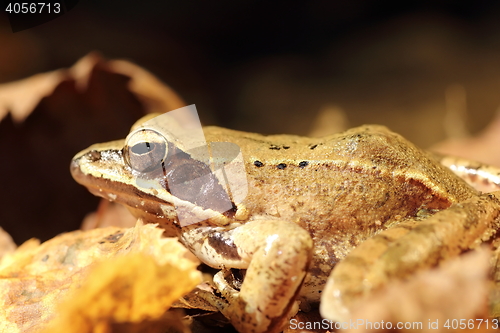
x,y
407,247
276,255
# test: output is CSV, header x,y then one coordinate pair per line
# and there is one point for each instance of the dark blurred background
x,y
279,66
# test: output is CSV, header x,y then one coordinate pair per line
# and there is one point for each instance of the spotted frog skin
x,y
360,201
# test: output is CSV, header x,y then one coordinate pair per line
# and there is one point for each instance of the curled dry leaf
x,y
14,96
152,92
52,116
456,290
20,98
105,277
7,245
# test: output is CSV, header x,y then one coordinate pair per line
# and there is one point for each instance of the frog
x,y
328,219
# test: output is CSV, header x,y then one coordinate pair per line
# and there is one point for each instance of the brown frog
x,y
366,202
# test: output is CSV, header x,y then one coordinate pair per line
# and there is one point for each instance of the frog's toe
x,y
225,287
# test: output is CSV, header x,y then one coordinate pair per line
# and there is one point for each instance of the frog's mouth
x,y
105,174
142,204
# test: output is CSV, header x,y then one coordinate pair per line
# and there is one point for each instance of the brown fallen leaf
x,y
52,116
106,276
20,98
157,96
7,245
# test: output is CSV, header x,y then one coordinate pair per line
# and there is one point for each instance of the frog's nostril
x,y
94,155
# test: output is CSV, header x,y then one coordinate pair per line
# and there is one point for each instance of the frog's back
x,y
372,150
359,179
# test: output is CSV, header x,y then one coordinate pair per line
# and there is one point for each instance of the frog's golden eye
x,y
145,150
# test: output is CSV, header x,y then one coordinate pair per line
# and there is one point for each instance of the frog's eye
x,y
145,150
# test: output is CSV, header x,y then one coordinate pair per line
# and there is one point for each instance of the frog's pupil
x,y
142,148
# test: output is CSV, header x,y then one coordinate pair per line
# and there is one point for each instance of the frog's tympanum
x,y
366,203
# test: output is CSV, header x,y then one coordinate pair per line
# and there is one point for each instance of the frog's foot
x,y
224,293
277,254
226,288
407,247
482,177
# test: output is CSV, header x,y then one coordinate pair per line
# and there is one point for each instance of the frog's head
x,y
156,179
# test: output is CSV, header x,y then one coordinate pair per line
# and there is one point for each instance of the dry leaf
x,y
20,98
51,117
134,288
7,245
155,94
35,278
